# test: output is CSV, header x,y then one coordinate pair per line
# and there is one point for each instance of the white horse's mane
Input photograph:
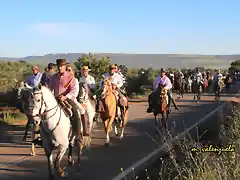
x,y
46,92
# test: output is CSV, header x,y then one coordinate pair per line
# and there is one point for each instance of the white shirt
x,y
89,80
34,80
164,81
116,79
197,77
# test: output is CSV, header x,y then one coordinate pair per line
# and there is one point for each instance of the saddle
x,y
66,107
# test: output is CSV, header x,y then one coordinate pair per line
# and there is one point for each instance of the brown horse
x,y
160,107
110,107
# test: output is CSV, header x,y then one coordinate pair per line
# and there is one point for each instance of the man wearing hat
x,y
113,75
165,81
65,89
47,75
217,78
34,79
116,80
88,79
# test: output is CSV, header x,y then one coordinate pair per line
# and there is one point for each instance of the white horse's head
x,y
41,101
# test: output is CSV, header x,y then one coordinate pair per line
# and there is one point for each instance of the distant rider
x,y
163,80
35,78
47,75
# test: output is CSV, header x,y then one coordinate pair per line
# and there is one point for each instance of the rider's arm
x,y
120,82
101,84
156,83
73,88
29,80
168,84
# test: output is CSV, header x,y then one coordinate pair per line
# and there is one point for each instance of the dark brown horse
x,y
160,107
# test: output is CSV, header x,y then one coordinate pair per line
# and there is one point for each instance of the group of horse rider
x,y
65,85
167,79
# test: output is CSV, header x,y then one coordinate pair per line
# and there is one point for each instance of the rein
x,y
46,111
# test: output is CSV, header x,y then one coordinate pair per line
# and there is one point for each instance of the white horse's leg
x,y
59,157
90,113
115,129
33,146
122,131
50,165
107,138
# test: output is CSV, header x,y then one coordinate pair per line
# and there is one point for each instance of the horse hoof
x,y
64,175
33,154
70,163
121,137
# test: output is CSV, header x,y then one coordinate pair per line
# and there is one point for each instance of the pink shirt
x,y
64,85
164,81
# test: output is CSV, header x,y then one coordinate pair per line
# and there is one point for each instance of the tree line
x,y
139,81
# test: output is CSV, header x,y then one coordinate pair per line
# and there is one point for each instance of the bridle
x,y
46,111
40,114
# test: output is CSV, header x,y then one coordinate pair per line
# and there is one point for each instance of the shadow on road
x,y
104,163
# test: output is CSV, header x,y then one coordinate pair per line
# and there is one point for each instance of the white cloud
x,y
66,30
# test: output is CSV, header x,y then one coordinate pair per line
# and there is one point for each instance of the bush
x,y
11,117
191,160
11,72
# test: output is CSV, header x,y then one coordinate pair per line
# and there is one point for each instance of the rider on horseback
x,y
197,76
47,75
88,79
165,81
217,78
116,80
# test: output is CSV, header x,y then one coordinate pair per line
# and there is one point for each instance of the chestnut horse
x,y
110,107
160,103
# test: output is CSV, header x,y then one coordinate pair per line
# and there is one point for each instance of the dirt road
x,y
101,163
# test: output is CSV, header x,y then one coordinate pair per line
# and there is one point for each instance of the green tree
x,y
235,66
98,66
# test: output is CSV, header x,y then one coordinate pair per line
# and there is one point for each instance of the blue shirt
x,y
34,80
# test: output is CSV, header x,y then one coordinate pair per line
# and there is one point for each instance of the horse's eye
x,y
38,100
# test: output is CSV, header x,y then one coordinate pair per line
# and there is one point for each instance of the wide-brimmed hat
x,y
61,62
163,70
86,68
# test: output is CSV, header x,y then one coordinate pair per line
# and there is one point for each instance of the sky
x,y
31,27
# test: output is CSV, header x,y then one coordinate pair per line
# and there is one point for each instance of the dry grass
x,y
191,160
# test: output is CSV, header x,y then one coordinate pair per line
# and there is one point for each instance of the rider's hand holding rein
x,y
62,98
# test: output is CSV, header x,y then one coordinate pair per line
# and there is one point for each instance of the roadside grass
x,y
12,117
201,159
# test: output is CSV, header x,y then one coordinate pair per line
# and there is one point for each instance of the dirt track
x,y
101,163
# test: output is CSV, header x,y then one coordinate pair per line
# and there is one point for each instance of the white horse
x,y
23,93
55,126
90,104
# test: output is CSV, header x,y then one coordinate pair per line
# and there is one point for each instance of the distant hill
x,y
143,60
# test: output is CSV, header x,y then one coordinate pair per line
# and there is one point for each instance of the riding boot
x,y
85,125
